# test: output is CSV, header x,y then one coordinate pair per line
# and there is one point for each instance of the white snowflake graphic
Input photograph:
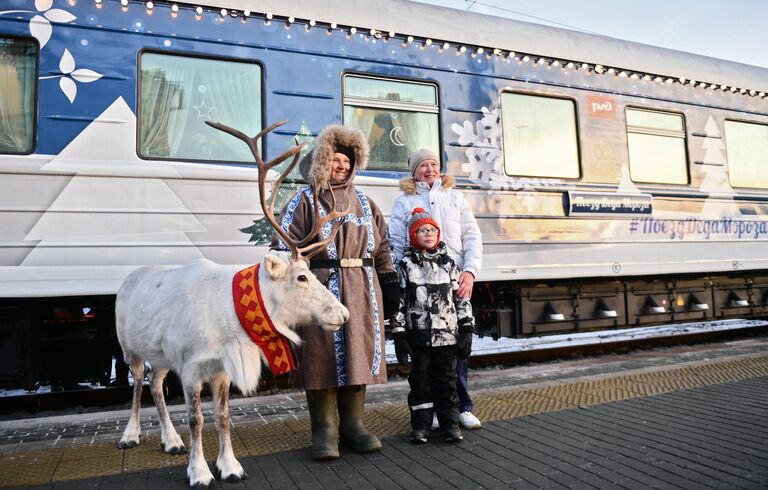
x,y
69,75
484,159
40,25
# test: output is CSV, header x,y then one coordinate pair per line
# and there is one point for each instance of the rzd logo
x,y
601,106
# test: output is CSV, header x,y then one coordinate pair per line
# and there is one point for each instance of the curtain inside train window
x,y
177,94
539,135
656,142
397,116
747,147
18,69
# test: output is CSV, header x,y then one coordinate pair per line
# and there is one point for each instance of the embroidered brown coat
x,y
355,354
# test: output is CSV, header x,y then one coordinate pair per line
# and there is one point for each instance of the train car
x,y
616,184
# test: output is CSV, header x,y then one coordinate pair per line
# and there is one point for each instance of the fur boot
x,y
351,401
325,433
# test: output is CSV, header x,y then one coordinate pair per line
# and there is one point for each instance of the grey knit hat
x,y
419,156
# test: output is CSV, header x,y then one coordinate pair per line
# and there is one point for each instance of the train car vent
x,y
551,314
604,310
651,306
694,303
734,300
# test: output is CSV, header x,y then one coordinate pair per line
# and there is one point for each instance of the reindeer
x,y
184,319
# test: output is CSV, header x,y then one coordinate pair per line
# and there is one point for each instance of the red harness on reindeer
x,y
250,310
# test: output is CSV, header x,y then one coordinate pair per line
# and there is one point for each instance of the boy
x,y
432,325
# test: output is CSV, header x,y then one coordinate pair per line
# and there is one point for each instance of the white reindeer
x,y
184,319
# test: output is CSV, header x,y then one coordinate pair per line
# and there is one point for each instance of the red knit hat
x,y
420,217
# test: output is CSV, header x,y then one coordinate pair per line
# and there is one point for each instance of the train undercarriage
x,y
63,343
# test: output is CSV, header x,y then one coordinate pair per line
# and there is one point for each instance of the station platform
x,y
679,417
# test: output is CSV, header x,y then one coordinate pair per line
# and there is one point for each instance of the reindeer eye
x,y
302,278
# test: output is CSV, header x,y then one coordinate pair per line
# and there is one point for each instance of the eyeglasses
x,y
428,231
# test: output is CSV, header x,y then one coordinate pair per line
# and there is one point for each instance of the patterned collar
x,y
255,320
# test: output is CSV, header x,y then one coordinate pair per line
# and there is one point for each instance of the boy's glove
x,y
402,349
464,345
390,291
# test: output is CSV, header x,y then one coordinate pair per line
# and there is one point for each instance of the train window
x,y
18,67
178,94
656,143
747,148
397,116
539,136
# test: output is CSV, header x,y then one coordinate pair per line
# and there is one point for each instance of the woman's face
x,y
340,167
428,171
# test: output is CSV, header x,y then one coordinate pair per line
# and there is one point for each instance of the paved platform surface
x,y
685,417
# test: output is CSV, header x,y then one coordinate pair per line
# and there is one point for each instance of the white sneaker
x,y
435,423
469,421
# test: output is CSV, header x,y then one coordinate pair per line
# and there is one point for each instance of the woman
x,y
427,188
335,367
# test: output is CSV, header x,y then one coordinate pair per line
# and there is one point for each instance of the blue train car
x,y
616,184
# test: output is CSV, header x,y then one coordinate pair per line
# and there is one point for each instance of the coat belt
x,y
340,263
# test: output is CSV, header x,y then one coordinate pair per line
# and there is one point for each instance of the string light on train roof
x,y
474,51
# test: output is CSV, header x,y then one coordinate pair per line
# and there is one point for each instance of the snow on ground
x,y
487,345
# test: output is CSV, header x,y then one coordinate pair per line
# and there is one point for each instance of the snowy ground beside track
x,y
486,345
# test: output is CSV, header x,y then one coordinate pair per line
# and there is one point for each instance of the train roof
x,y
474,29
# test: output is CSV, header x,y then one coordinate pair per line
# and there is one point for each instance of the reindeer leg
x,y
227,466
169,438
198,473
132,432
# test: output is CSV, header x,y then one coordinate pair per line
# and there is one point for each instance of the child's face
x,y
427,236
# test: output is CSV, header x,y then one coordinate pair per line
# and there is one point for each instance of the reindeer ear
x,y
276,265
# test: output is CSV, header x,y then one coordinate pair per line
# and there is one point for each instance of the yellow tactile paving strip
x,y
386,419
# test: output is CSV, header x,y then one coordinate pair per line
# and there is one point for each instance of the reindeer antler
x,y
299,248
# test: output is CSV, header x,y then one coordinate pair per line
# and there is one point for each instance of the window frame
x,y
187,54
728,157
576,127
682,134
36,91
395,105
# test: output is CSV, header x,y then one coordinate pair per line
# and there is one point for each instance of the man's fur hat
x,y
317,164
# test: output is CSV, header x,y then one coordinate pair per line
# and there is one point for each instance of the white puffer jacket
x,y
458,227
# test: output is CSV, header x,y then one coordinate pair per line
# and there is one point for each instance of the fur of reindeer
x,y
183,319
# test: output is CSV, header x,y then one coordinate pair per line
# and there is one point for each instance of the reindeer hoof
x,y
202,486
233,478
127,444
174,449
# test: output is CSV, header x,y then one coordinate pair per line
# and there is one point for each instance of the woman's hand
x,y
466,281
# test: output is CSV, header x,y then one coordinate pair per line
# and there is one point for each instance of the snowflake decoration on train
x,y
485,162
69,75
484,154
40,25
